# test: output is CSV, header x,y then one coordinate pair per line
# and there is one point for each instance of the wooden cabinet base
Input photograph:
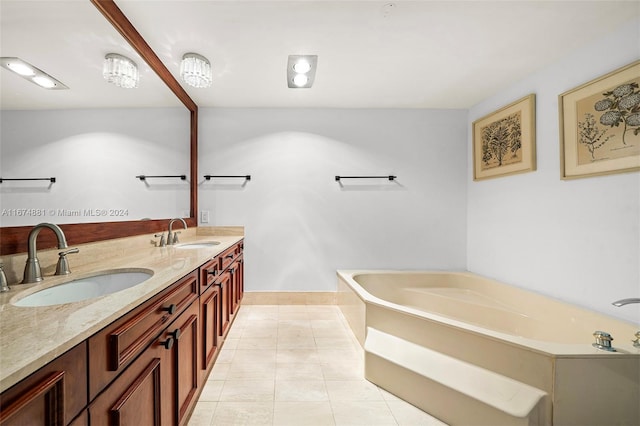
x,y
141,395
53,395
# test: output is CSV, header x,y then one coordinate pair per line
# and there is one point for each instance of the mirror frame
x,y
14,239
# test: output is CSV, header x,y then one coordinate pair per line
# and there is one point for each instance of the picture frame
x,y
600,125
504,142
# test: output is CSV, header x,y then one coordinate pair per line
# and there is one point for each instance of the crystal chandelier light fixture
x,y
121,71
195,70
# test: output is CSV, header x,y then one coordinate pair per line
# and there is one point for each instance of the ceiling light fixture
x,y
121,71
301,71
195,70
31,73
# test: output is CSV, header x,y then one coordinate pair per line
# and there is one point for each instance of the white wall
x,y
95,155
301,225
577,240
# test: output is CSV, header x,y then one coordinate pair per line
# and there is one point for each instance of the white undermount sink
x,y
86,288
198,245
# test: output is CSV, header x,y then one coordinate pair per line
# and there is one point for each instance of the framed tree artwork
x,y
600,125
504,141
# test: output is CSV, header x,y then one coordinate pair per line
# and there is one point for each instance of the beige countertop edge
x,y
31,337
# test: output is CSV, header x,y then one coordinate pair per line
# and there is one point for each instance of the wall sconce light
x,y
31,73
301,71
195,70
121,71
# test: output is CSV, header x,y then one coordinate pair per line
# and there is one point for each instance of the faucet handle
x,y
175,237
4,285
636,343
163,242
62,268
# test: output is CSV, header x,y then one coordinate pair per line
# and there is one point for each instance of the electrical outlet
x,y
204,216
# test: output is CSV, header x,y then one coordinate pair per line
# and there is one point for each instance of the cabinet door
x,y
185,359
210,329
237,284
240,278
142,394
224,309
53,395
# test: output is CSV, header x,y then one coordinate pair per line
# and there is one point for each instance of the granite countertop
x,y
31,337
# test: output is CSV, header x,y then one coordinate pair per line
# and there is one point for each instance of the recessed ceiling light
x,y
31,73
302,66
301,71
300,80
21,68
43,81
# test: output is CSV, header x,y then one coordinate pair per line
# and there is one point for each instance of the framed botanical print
x,y
504,141
600,125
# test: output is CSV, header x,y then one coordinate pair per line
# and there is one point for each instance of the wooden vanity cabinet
x,y
221,286
113,348
161,385
53,395
145,368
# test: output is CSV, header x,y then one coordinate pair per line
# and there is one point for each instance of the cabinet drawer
x,y
113,348
208,274
227,256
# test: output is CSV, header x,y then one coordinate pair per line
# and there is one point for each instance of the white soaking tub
x,y
471,350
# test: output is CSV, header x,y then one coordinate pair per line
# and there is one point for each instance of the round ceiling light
x,y
121,71
195,70
302,66
300,80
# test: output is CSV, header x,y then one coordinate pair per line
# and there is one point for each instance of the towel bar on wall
x,y
51,179
144,177
390,177
209,177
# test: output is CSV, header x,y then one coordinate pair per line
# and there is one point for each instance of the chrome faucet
x,y
4,285
172,238
623,302
32,272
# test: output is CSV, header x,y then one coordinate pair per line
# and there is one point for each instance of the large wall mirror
x,y
94,138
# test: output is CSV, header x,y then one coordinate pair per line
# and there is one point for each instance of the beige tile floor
x,y
296,365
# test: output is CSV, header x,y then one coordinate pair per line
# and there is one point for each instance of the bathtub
x,y
471,350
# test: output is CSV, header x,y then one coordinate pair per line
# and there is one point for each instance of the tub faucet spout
x,y
32,272
623,302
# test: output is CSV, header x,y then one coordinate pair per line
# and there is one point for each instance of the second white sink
x,y
86,288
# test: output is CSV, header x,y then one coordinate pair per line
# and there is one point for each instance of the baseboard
x,y
289,298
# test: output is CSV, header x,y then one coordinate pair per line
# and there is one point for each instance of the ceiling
x,y
371,54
